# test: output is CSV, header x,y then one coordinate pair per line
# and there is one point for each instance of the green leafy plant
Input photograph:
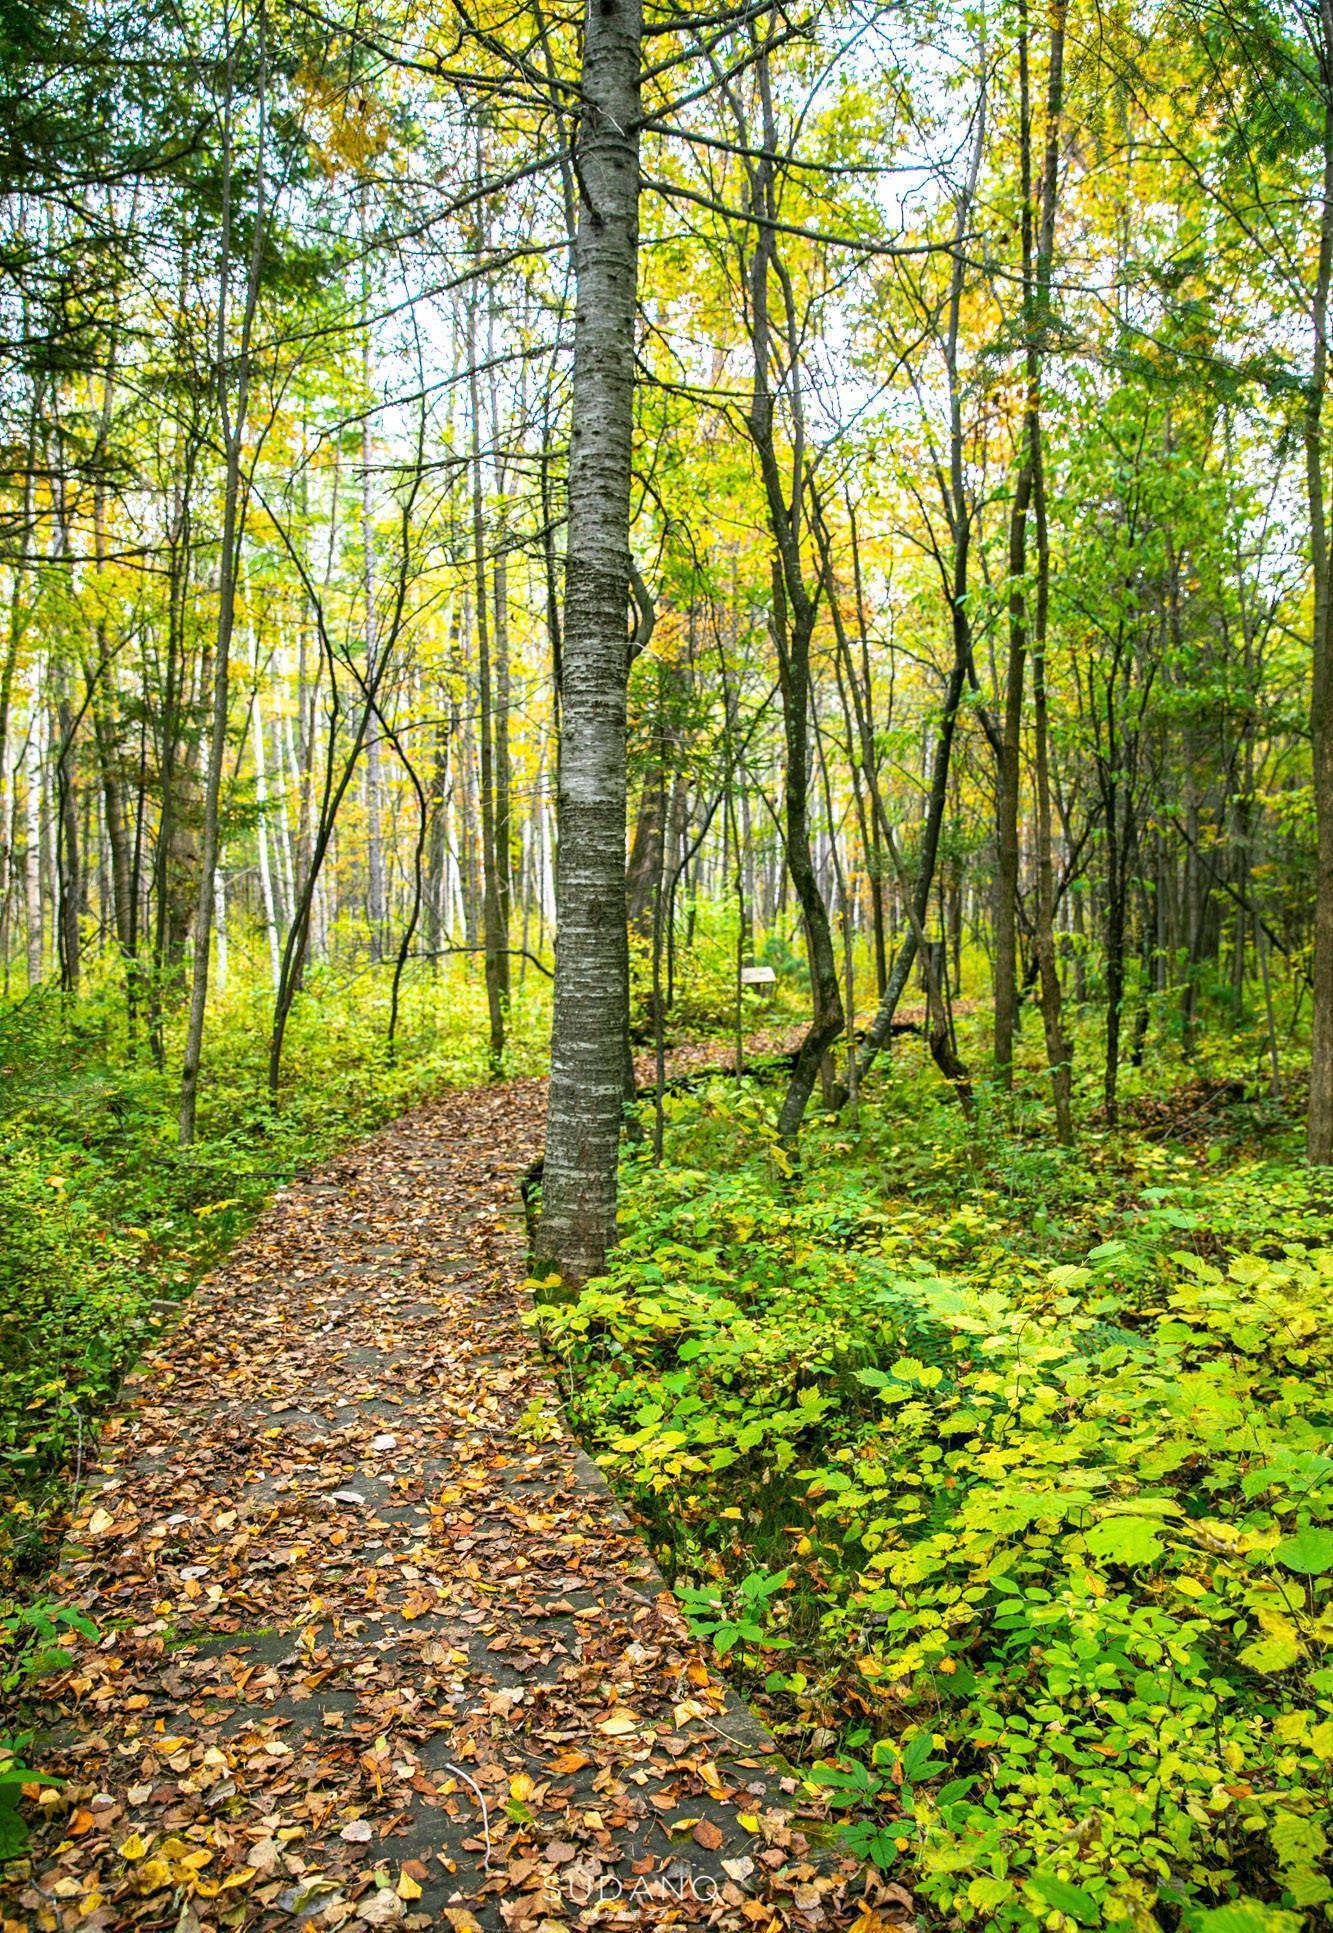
x,y
30,1640
1038,1444
738,1615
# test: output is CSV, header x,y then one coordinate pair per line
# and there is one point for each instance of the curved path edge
x,y
376,1645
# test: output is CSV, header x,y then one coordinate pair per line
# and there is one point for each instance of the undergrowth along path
x,y
376,1646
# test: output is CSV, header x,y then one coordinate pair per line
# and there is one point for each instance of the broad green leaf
x,y
1065,1897
1309,1552
1126,1540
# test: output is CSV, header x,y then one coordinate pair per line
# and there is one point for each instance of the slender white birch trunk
x,y
32,857
232,411
262,841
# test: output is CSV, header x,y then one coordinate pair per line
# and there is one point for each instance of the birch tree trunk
x,y
504,816
69,855
438,849
233,413
1319,1135
495,938
17,614
1008,764
262,852
578,1223
1057,1047
32,858
376,896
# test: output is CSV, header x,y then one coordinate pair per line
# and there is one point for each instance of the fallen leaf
x,y
383,1909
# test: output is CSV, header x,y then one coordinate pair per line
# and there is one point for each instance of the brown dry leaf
x,y
620,1726
374,1648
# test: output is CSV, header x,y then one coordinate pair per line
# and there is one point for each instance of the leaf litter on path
x,y
371,1655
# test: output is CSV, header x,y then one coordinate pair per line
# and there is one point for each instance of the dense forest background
x,y
968,667
1002,343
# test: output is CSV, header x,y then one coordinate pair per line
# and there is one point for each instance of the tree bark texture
x,y
578,1222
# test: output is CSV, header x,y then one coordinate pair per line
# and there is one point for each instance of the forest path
x,y
376,1645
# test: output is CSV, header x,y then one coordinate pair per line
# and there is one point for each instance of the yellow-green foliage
x,y
105,1223
1004,1479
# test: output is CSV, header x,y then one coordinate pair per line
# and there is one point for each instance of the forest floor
x,y
375,1646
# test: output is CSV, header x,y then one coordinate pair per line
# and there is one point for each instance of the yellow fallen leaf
x,y
100,1522
408,1887
153,1875
618,1727
521,1786
132,1848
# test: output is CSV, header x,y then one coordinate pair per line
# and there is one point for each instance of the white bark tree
x,y
578,1223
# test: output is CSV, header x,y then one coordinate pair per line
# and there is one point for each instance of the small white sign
x,y
758,976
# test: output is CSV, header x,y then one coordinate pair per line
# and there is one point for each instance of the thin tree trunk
x,y
233,423
1319,1133
1057,1050
32,857
220,922
960,515
1009,760
69,866
17,620
494,937
794,610
438,846
262,843
376,899
504,884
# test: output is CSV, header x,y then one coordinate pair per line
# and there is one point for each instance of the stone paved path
x,y
376,1646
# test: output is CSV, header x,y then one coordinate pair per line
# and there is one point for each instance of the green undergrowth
x,y
1001,1478
105,1224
